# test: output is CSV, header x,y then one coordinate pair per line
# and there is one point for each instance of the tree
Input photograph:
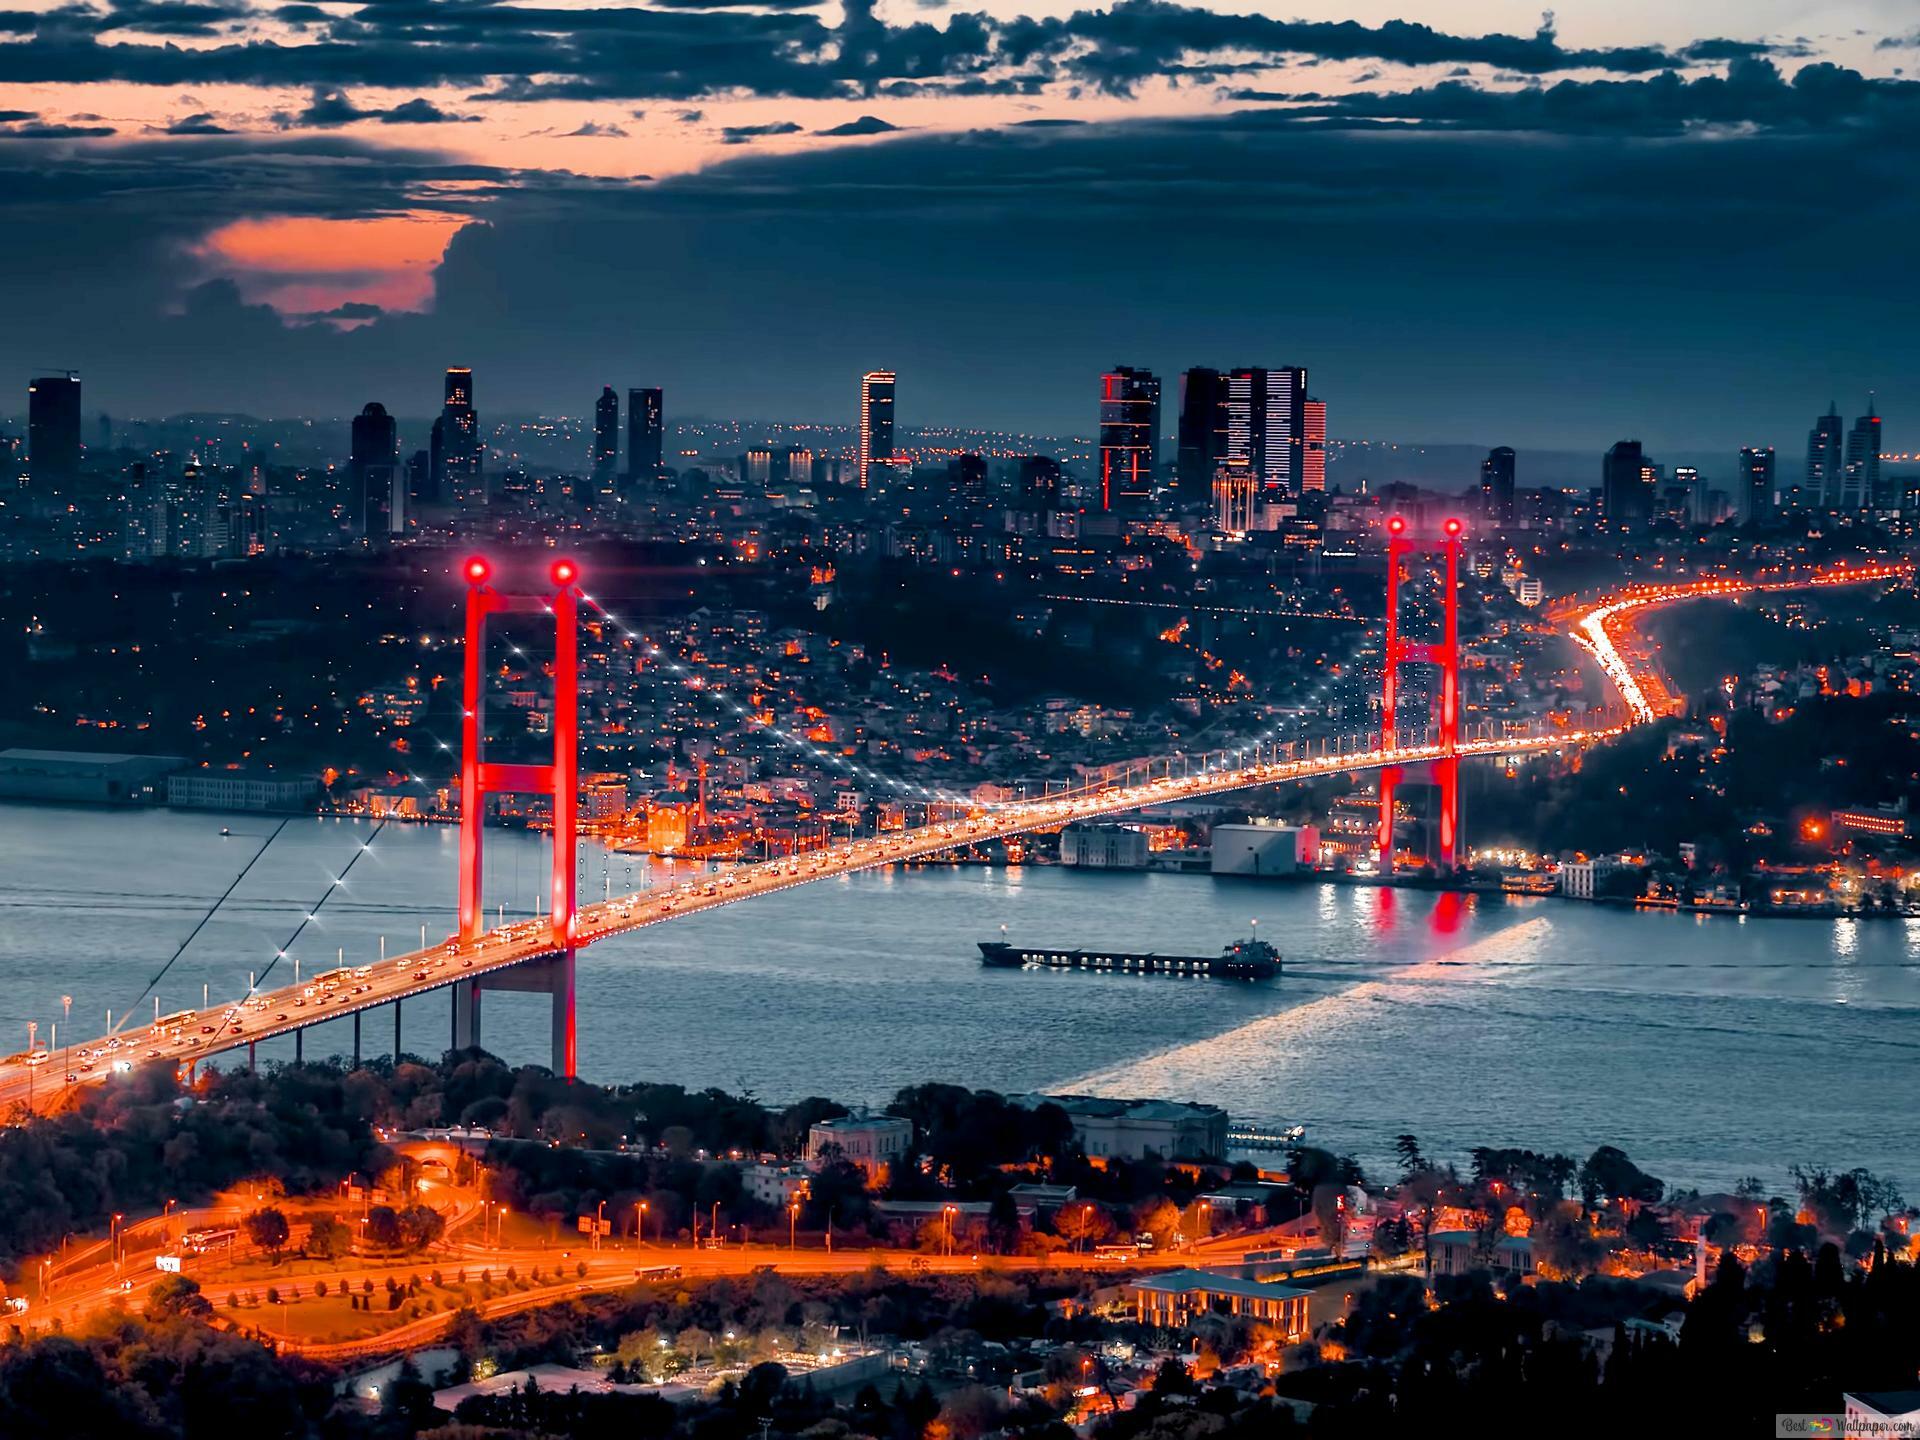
x,y
1412,1162
175,1296
383,1228
420,1226
1084,1223
327,1239
267,1228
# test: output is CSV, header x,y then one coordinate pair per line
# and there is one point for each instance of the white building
x,y
1264,849
774,1185
1135,1129
1103,847
872,1142
1579,877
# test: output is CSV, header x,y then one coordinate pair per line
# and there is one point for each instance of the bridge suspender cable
x,y
192,934
313,914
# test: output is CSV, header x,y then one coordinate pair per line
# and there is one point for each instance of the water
x,y
1707,1048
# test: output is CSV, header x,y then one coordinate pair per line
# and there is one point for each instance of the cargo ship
x,y
1242,960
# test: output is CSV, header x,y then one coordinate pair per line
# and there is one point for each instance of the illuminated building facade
x,y
458,474
876,424
1129,437
1233,490
1267,427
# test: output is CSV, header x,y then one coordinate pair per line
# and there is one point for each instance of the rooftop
x,y
1187,1282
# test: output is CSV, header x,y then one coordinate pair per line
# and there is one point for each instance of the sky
x,y
1690,222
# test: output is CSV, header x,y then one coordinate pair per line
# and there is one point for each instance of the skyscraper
x,y
1755,496
376,492
459,478
1825,445
1313,450
53,430
1625,488
1860,482
606,442
646,434
1129,437
1040,479
1267,426
876,424
1201,434
1496,486
1233,498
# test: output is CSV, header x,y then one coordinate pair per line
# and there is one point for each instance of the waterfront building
x,y
1271,850
240,790
1134,1129
1103,847
873,1142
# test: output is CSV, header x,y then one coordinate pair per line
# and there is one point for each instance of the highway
x,y
1601,627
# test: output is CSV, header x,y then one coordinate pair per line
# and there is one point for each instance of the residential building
x,y
1455,1252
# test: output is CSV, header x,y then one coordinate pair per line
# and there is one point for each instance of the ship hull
x,y
999,954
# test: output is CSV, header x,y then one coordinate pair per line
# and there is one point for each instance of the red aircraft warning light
x,y
565,572
477,570
1452,526
1397,525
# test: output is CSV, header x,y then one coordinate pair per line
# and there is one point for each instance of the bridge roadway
x,y
269,1014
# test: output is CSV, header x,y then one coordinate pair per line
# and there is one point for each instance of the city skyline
x,y
327,221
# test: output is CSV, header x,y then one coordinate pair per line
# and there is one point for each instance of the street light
x,y
793,1221
947,1213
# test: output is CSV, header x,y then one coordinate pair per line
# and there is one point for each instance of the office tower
x,y
1825,445
1040,480
1860,477
376,494
458,474
1625,485
606,442
967,484
1755,487
646,434
1496,486
1267,425
1313,452
53,431
1201,434
1233,490
875,442
1129,437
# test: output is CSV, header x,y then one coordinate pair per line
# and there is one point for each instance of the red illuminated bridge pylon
x,y
552,974
1445,654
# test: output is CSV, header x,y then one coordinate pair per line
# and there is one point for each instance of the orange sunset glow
x,y
302,265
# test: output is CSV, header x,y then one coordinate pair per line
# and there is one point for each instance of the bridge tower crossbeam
x,y
1445,654
552,974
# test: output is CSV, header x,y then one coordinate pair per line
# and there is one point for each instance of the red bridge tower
x,y
1446,655
552,974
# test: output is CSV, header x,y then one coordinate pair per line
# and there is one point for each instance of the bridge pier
x,y
356,1039
396,1032
549,975
299,1046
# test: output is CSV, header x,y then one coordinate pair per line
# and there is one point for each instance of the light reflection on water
x,y
1707,1049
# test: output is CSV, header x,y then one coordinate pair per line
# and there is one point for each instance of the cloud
x,y
200,123
865,125
684,51
747,134
421,111
47,130
596,129
329,108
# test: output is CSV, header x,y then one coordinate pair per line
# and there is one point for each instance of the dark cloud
x,y
1752,94
596,130
684,50
200,123
421,111
747,134
865,125
49,130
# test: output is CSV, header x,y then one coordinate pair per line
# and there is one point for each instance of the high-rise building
x,y
53,431
1825,446
1201,434
376,490
1129,437
458,471
606,442
967,483
1267,426
1860,482
1496,486
1756,498
875,440
1040,481
1313,452
646,434
1233,490
1626,485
